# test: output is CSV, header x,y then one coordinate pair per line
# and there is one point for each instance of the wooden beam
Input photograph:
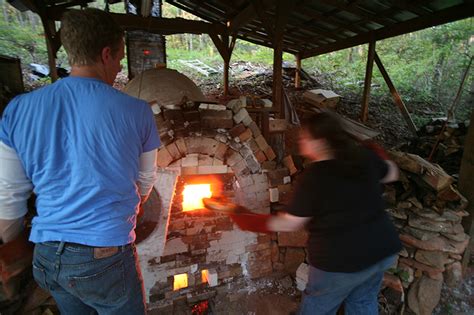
x,y
298,71
444,16
244,16
264,18
367,82
51,36
396,96
164,26
221,47
225,49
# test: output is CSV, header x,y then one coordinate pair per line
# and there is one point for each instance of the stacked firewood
x,y
443,142
427,210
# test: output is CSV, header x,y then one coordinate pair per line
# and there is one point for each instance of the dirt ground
x,y
275,295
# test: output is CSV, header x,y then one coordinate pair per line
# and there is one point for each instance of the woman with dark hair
x,y
339,200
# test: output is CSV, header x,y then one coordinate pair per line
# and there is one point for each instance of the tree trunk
x,y
437,74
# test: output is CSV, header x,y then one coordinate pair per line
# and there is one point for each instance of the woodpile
x,y
448,152
321,98
427,210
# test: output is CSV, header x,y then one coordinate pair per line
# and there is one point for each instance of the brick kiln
x,y
207,150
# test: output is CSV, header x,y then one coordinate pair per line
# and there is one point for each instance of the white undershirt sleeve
x,y
15,187
147,173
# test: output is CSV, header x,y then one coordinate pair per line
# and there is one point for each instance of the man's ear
x,y
106,54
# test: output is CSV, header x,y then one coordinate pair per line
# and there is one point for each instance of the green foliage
x,y
21,36
425,66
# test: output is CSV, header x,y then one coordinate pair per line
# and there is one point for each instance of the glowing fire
x,y
193,194
180,281
205,276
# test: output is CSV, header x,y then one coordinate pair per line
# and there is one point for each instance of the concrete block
x,y
241,115
255,130
204,160
235,105
274,194
212,169
245,181
253,164
190,160
247,120
212,277
240,167
233,157
217,107
302,275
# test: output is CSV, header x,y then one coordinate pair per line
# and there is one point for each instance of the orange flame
x,y
193,194
205,276
180,281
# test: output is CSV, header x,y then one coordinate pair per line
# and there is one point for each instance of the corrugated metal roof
x,y
320,26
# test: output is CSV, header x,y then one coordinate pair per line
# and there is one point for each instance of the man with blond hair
x,y
89,152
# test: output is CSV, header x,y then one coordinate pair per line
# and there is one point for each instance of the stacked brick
x,y
226,142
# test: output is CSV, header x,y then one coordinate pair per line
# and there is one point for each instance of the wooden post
x,y
225,50
226,77
278,78
283,9
367,82
298,71
52,45
396,97
466,187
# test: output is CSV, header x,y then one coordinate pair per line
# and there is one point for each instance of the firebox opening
x,y
204,276
180,281
193,195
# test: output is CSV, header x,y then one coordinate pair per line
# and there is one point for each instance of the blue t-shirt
x,y
79,141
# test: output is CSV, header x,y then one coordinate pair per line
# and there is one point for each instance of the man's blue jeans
x,y
82,284
326,291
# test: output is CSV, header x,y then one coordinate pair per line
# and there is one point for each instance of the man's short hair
x,y
84,33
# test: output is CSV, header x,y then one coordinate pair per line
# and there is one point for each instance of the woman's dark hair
x,y
345,147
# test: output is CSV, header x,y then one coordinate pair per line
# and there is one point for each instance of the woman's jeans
x,y
90,280
326,291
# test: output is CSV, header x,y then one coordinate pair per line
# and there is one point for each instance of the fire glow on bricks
x,y
193,195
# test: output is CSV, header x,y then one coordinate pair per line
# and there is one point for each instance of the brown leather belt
x,y
98,252
104,252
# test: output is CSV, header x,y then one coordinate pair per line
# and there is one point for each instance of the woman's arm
x,y
392,172
286,223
